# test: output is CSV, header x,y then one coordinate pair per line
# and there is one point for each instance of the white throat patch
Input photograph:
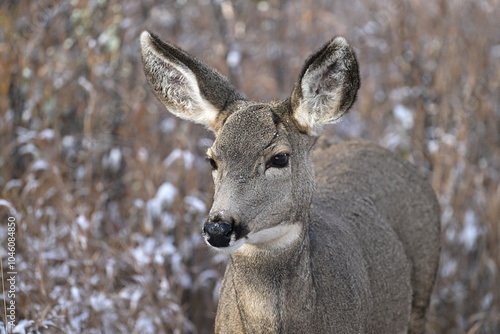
x,y
276,237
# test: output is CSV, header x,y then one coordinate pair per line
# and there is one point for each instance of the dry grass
x,y
109,191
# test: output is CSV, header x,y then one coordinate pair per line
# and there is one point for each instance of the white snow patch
x,y
100,302
187,156
29,148
39,165
403,115
78,320
163,199
153,211
487,300
22,326
24,135
110,268
449,268
142,154
83,222
449,139
133,294
144,324
195,204
68,142
138,203
166,194
164,250
392,140
167,125
113,160
471,230
8,204
141,256
75,294
80,172
56,254
433,146
233,58
167,221
46,134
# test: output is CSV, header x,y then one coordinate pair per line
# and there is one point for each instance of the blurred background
x,y
109,191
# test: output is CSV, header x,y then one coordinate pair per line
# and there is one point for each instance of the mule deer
x,y
351,246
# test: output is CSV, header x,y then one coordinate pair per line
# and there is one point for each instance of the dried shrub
x,y
109,191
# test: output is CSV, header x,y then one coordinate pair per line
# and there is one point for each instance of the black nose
x,y
217,230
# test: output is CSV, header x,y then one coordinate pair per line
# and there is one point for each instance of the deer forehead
x,y
247,133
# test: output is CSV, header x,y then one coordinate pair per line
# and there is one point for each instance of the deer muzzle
x,y
219,229
218,234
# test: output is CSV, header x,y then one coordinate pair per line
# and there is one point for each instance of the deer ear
x,y
188,88
327,86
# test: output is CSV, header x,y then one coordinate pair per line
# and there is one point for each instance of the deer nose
x,y
218,230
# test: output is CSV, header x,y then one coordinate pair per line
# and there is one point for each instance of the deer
x,y
333,238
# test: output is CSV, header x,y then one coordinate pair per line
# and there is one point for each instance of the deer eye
x,y
212,163
278,161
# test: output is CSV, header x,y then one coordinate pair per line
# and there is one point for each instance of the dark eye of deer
x,y
278,161
212,163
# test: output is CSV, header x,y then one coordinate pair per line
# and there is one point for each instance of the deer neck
x,y
266,281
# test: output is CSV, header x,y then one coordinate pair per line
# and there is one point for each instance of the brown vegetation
x,y
109,191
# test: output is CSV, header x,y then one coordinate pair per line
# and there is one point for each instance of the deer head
x,y
260,157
